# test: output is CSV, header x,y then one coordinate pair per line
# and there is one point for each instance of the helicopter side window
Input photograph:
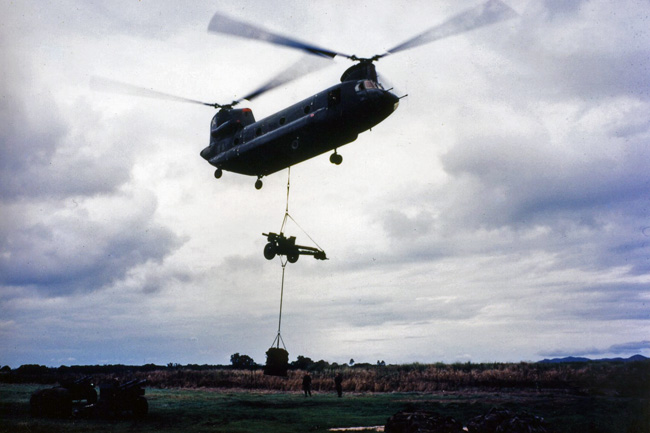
x,y
334,97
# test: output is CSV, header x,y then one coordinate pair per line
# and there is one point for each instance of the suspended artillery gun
x,y
281,245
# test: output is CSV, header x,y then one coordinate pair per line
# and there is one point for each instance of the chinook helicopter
x,y
321,123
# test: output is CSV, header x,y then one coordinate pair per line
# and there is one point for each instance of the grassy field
x,y
239,411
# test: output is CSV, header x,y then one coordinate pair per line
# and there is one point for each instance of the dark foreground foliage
x,y
238,411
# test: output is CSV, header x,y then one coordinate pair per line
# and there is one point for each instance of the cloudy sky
x,y
500,214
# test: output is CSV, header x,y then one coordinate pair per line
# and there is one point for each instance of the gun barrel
x,y
132,383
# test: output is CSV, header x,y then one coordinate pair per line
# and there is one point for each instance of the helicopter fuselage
x,y
318,124
321,123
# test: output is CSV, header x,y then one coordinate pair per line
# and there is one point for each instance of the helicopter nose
x,y
390,100
385,102
375,105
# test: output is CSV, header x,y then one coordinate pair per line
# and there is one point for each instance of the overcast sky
x,y
502,213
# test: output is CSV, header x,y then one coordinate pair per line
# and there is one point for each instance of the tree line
x,y
624,378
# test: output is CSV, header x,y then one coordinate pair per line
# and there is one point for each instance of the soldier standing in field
x,y
306,384
338,383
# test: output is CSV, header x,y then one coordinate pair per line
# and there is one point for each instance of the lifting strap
x,y
286,213
283,262
278,338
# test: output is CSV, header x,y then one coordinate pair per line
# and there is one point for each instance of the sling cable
x,y
277,358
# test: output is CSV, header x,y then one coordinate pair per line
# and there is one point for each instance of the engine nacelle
x,y
223,126
241,117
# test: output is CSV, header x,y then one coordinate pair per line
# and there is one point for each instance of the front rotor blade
x,y
229,26
106,85
489,12
305,65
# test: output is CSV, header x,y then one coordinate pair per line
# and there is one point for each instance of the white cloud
x,y
499,214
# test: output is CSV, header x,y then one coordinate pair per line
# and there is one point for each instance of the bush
x,y
243,362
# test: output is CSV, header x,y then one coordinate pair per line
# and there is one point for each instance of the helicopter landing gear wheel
x,y
218,173
258,183
335,158
269,251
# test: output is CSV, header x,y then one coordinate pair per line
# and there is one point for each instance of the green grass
x,y
190,411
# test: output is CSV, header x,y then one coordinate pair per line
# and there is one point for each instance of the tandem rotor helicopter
x,y
321,123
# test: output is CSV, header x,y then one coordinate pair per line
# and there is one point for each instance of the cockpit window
x,y
366,84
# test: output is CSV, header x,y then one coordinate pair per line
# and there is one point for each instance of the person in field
x,y
338,383
306,385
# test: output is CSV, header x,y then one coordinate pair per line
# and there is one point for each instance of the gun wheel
x,y
140,407
269,251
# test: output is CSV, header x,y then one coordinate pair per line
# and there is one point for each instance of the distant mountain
x,y
566,359
637,358
580,359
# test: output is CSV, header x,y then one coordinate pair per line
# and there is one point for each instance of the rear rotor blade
x,y
223,24
485,14
106,85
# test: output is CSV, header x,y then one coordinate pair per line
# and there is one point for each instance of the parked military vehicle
x,y
53,402
81,389
79,398
58,401
128,398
